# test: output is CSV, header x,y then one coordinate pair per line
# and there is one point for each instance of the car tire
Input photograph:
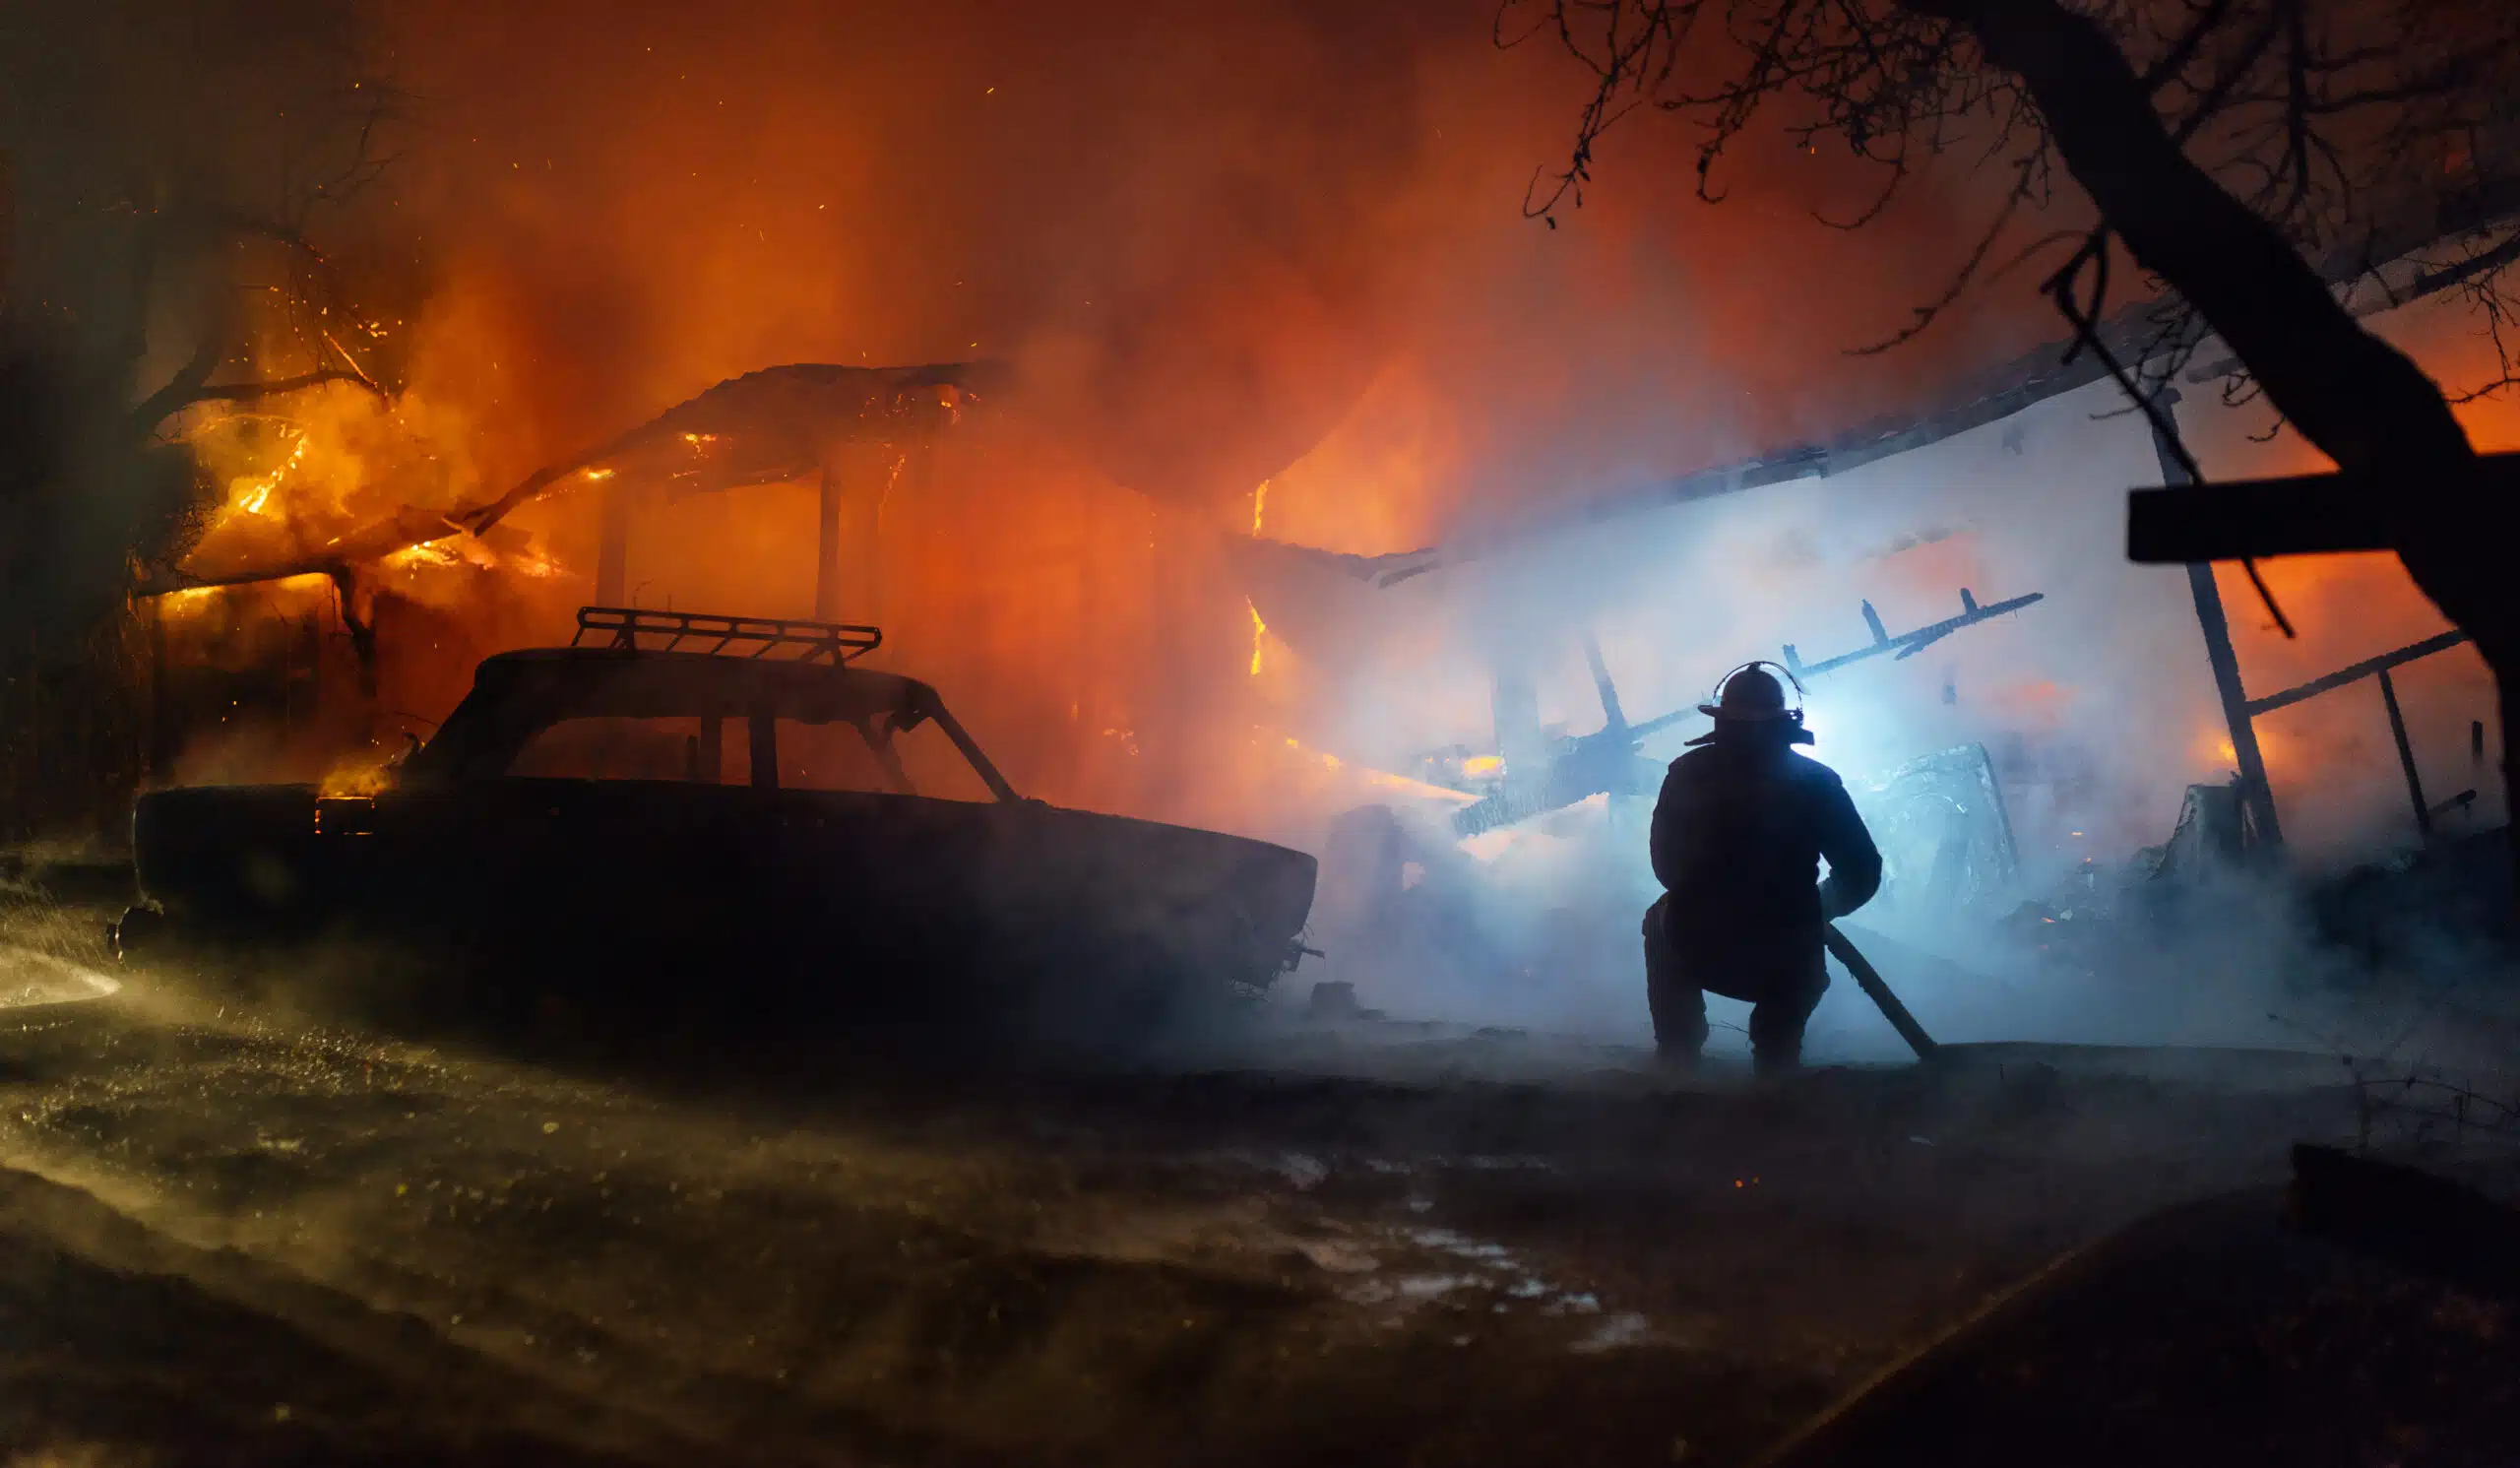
x,y
141,931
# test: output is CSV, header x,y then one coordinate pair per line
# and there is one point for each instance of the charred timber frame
x,y
2357,671
827,541
1909,644
2406,756
2257,793
2299,515
612,557
2378,668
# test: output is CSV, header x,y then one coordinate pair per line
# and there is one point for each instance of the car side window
x,y
611,748
833,757
841,757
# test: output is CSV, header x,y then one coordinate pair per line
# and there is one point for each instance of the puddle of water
x,y
1615,1332
1336,1257
1425,1287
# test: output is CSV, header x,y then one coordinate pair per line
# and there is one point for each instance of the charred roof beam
x,y
1909,644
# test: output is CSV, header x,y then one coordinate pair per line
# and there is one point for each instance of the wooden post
x,y
612,560
910,466
2406,756
827,545
713,747
310,648
160,742
1514,704
762,727
2255,793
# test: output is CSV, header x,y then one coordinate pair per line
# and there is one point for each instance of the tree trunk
x,y
2362,402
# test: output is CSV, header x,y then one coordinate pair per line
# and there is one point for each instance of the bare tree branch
x,y
2280,97
154,409
256,392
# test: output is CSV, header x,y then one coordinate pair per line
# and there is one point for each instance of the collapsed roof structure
x,y
770,426
2144,343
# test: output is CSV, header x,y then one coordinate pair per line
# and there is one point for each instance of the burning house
x,y
1508,699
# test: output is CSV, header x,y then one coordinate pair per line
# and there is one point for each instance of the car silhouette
x,y
582,837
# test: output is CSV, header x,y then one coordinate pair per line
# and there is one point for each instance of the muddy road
x,y
228,1235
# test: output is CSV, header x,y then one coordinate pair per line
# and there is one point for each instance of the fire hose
x,y
1868,979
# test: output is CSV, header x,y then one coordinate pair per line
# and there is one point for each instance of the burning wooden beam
x,y
775,424
764,428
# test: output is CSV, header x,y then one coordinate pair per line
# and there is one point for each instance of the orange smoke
x,y
1226,247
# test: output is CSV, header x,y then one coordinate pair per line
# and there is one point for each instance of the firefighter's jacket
x,y
1739,832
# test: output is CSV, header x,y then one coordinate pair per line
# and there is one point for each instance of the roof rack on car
x,y
623,626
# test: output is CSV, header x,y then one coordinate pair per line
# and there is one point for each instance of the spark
x,y
600,474
428,553
348,361
1259,638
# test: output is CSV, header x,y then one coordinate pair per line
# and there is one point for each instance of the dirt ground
x,y
228,1235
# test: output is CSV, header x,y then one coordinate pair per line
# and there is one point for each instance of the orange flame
x,y
365,775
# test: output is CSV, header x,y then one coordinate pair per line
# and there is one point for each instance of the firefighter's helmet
x,y
1751,695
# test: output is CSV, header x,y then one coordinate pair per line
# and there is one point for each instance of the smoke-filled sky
x,y
1207,230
